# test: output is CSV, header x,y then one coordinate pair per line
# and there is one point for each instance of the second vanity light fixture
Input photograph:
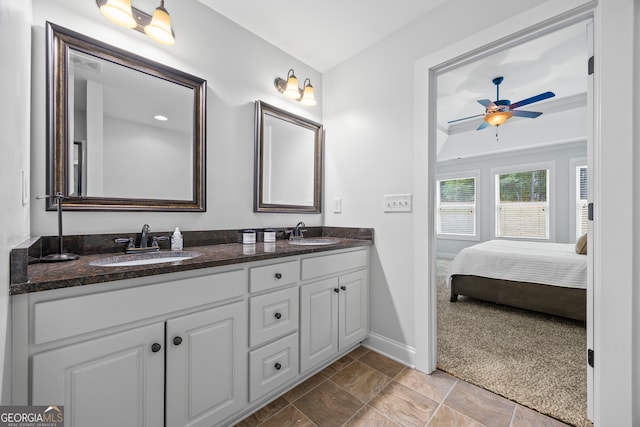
x,y
157,27
290,89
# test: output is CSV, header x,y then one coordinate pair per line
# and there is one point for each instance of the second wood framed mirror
x,y
288,161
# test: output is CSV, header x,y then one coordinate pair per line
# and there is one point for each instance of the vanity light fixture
x,y
290,89
157,27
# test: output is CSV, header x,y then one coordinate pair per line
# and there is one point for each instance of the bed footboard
x,y
556,300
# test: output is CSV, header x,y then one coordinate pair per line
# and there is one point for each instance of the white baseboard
x,y
392,349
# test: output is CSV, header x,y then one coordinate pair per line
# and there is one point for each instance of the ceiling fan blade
x,y
486,103
527,114
483,125
465,118
533,99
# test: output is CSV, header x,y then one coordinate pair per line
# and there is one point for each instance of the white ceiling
x,y
323,33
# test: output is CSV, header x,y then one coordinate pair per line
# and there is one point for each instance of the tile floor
x,y
365,388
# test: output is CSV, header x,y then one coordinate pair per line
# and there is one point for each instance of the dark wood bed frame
x,y
556,300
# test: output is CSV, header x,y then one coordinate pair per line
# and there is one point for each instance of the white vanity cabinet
x,y
334,308
203,348
165,354
273,327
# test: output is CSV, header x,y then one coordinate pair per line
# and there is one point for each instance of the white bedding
x,y
554,264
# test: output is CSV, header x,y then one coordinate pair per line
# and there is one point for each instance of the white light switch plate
x,y
397,203
337,205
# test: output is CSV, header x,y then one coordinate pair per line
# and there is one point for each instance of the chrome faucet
x,y
297,232
143,235
144,242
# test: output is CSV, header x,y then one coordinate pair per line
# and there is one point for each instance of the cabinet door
x,y
206,366
353,322
318,322
115,380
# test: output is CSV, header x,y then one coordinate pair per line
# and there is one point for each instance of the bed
x,y
544,277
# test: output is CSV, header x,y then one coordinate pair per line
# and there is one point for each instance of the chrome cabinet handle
x,y
155,347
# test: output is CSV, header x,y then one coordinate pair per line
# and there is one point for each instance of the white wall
x,y
616,222
15,31
560,197
239,68
368,114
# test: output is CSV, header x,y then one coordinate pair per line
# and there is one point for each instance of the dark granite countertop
x,y
48,276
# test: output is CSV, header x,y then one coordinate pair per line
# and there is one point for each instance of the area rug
x,y
533,359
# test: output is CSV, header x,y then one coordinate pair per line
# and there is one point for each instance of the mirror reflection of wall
x,y
288,160
128,153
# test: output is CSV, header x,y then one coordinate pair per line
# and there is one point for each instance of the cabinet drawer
x,y
69,317
272,276
272,365
272,315
330,264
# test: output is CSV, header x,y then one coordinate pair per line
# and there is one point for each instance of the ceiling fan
x,y
499,111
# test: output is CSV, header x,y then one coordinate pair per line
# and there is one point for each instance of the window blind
x,y
457,206
522,208
582,195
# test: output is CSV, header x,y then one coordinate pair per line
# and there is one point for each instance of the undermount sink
x,y
144,259
310,242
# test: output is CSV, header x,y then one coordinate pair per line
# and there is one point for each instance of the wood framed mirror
x,y
288,161
105,149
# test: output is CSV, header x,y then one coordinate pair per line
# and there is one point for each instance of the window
x,y
522,204
581,200
457,206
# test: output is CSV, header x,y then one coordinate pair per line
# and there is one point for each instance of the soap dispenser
x,y
176,240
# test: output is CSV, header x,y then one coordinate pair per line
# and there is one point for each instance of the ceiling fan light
x,y
497,118
119,12
159,29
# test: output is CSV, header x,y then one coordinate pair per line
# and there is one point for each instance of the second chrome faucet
x,y
297,232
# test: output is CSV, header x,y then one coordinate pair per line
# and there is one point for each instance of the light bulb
x,y
159,29
119,12
292,91
308,95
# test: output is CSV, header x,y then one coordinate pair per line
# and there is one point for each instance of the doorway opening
x,y
551,140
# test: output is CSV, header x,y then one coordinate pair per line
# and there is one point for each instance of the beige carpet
x,y
536,360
